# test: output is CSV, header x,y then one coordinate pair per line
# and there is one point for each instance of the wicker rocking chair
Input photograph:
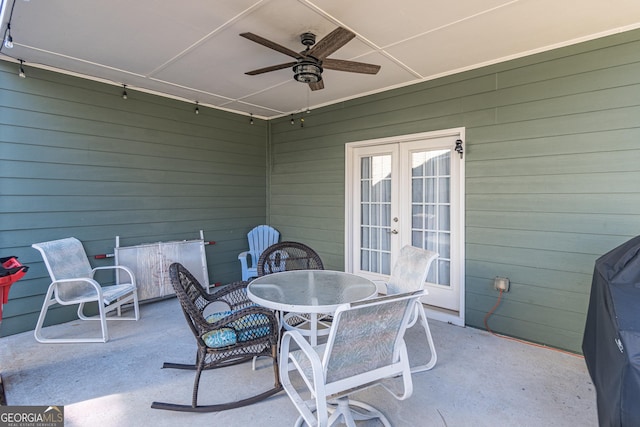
x,y
237,335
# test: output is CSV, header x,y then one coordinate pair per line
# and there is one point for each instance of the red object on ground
x,y
10,272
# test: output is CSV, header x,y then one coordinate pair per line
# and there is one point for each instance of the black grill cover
x,y
611,342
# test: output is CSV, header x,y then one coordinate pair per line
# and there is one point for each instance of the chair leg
x,y
43,313
275,350
103,321
136,308
345,408
276,369
37,332
349,411
196,385
425,325
102,317
368,412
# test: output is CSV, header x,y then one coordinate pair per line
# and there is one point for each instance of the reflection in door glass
x,y
431,207
375,214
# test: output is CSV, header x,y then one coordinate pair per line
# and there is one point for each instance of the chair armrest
x,y
406,376
233,294
118,267
308,351
304,345
244,259
96,286
238,314
380,283
318,386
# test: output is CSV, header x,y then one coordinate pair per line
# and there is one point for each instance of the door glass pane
x,y
365,168
443,218
386,242
386,263
417,217
431,242
444,185
375,202
364,259
433,233
431,190
430,217
364,220
444,271
416,188
365,191
444,245
385,216
364,236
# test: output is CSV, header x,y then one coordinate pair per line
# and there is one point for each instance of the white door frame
x,y
456,318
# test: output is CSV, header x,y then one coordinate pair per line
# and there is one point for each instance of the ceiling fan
x,y
310,63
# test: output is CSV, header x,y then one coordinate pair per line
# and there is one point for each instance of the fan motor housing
x,y
308,39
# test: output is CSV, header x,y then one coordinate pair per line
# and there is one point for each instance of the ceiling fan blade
x,y
330,43
317,85
271,45
350,66
271,68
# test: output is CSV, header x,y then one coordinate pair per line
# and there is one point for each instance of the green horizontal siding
x,y
551,151
552,171
78,160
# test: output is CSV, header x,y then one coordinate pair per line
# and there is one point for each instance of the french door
x,y
408,191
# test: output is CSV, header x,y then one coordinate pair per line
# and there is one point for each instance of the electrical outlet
x,y
501,284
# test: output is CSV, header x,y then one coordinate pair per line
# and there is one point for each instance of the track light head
x,y
124,92
197,110
21,72
8,40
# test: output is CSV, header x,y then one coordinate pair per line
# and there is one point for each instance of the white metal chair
x,y
73,283
260,238
365,347
409,274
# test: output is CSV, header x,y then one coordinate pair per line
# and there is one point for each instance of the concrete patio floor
x,y
480,379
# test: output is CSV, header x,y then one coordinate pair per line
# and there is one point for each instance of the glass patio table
x,y
310,292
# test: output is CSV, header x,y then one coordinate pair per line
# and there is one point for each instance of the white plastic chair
x,y
260,238
365,347
73,283
409,274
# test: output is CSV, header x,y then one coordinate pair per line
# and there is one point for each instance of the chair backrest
x,y
367,335
66,259
287,256
260,238
191,296
410,271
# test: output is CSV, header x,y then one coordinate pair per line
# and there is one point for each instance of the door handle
x,y
394,231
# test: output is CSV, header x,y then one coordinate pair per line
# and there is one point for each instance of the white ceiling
x,y
191,49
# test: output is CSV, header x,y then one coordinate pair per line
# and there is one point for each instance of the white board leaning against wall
x,y
150,264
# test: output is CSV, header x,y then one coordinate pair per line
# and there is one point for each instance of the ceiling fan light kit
x,y
312,61
307,71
